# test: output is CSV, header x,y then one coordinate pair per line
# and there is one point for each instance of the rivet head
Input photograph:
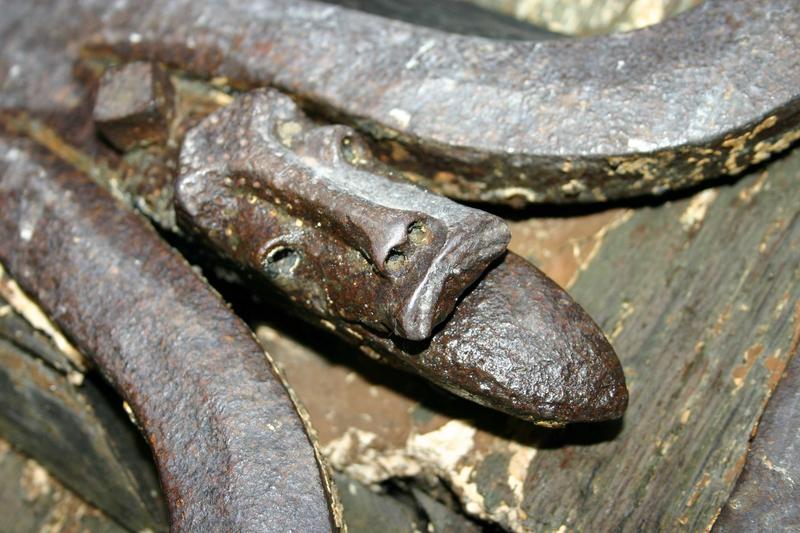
x,y
134,105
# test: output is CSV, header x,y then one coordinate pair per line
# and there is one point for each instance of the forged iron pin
x,y
267,186
134,105
290,201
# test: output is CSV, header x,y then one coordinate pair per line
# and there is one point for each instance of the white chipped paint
x,y
425,47
468,492
518,468
444,446
641,145
401,117
362,455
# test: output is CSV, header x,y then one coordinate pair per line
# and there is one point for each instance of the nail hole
x,y
396,261
353,150
281,262
418,233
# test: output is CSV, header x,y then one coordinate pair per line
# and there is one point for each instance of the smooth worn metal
x,y
518,343
700,95
285,197
294,202
231,450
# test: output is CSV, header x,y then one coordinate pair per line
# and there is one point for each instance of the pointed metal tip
x,y
519,343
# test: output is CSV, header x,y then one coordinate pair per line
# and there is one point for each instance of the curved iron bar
x,y
705,93
232,452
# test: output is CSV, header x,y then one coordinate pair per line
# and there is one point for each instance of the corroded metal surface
x,y
285,197
134,105
517,343
231,450
514,373
703,94
293,203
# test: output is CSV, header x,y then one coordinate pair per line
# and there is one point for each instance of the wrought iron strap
x,y
703,94
352,249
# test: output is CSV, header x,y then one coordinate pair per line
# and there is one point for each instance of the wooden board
x,y
80,434
32,500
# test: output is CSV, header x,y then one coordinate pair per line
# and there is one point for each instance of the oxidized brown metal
x,y
31,90
305,207
295,203
697,96
518,343
232,451
285,197
134,105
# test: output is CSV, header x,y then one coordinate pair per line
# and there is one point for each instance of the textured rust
x,y
285,197
293,202
697,96
231,450
518,343
700,95
564,120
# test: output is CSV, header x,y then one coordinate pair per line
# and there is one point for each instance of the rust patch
x,y
698,489
739,372
775,364
733,472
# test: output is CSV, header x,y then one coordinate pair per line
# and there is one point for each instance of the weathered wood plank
x,y
32,500
14,328
79,436
767,494
364,508
701,309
